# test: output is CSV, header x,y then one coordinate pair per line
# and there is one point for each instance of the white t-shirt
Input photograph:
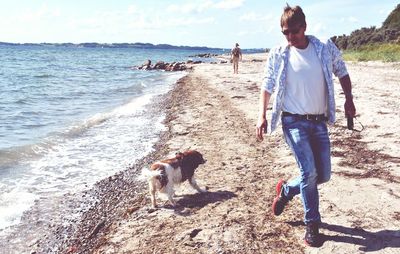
x,y
306,91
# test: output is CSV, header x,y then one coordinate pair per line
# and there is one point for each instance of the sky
x,y
212,23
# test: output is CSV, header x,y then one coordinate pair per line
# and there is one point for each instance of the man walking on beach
x,y
236,55
300,74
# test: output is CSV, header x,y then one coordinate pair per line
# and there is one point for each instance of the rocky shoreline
x,y
174,66
115,197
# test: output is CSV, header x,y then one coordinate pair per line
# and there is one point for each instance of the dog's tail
x,y
147,174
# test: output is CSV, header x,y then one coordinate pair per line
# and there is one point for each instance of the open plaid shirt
x,y
276,69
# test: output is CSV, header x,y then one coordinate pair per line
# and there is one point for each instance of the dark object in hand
x,y
350,123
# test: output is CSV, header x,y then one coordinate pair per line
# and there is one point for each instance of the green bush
x,y
389,52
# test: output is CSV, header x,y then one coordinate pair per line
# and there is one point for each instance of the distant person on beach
x,y
300,75
236,55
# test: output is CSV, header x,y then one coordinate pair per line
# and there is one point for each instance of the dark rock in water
x,y
193,62
160,65
205,55
146,65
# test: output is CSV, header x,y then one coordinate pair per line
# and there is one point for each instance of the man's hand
x,y
261,128
349,108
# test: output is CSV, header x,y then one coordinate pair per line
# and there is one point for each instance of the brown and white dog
x,y
163,175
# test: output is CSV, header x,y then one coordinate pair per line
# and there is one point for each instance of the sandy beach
x,y
214,111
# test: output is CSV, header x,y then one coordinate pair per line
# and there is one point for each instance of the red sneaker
x,y
280,200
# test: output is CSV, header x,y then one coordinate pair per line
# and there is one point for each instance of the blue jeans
x,y
309,141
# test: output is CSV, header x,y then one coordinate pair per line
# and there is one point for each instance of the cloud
x,y
353,20
44,12
264,23
157,23
350,19
190,7
385,12
229,4
252,16
203,6
134,20
133,9
318,28
106,20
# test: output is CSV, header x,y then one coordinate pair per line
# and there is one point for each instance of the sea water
x,y
70,117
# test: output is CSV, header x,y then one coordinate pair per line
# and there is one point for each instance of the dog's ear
x,y
179,155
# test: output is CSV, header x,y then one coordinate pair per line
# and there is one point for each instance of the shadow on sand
x,y
368,241
199,200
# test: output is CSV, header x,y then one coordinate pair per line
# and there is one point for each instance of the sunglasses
x,y
291,31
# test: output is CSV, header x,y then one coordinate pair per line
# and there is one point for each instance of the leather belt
x,y
320,118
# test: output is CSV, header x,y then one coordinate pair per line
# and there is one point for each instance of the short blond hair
x,y
293,16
